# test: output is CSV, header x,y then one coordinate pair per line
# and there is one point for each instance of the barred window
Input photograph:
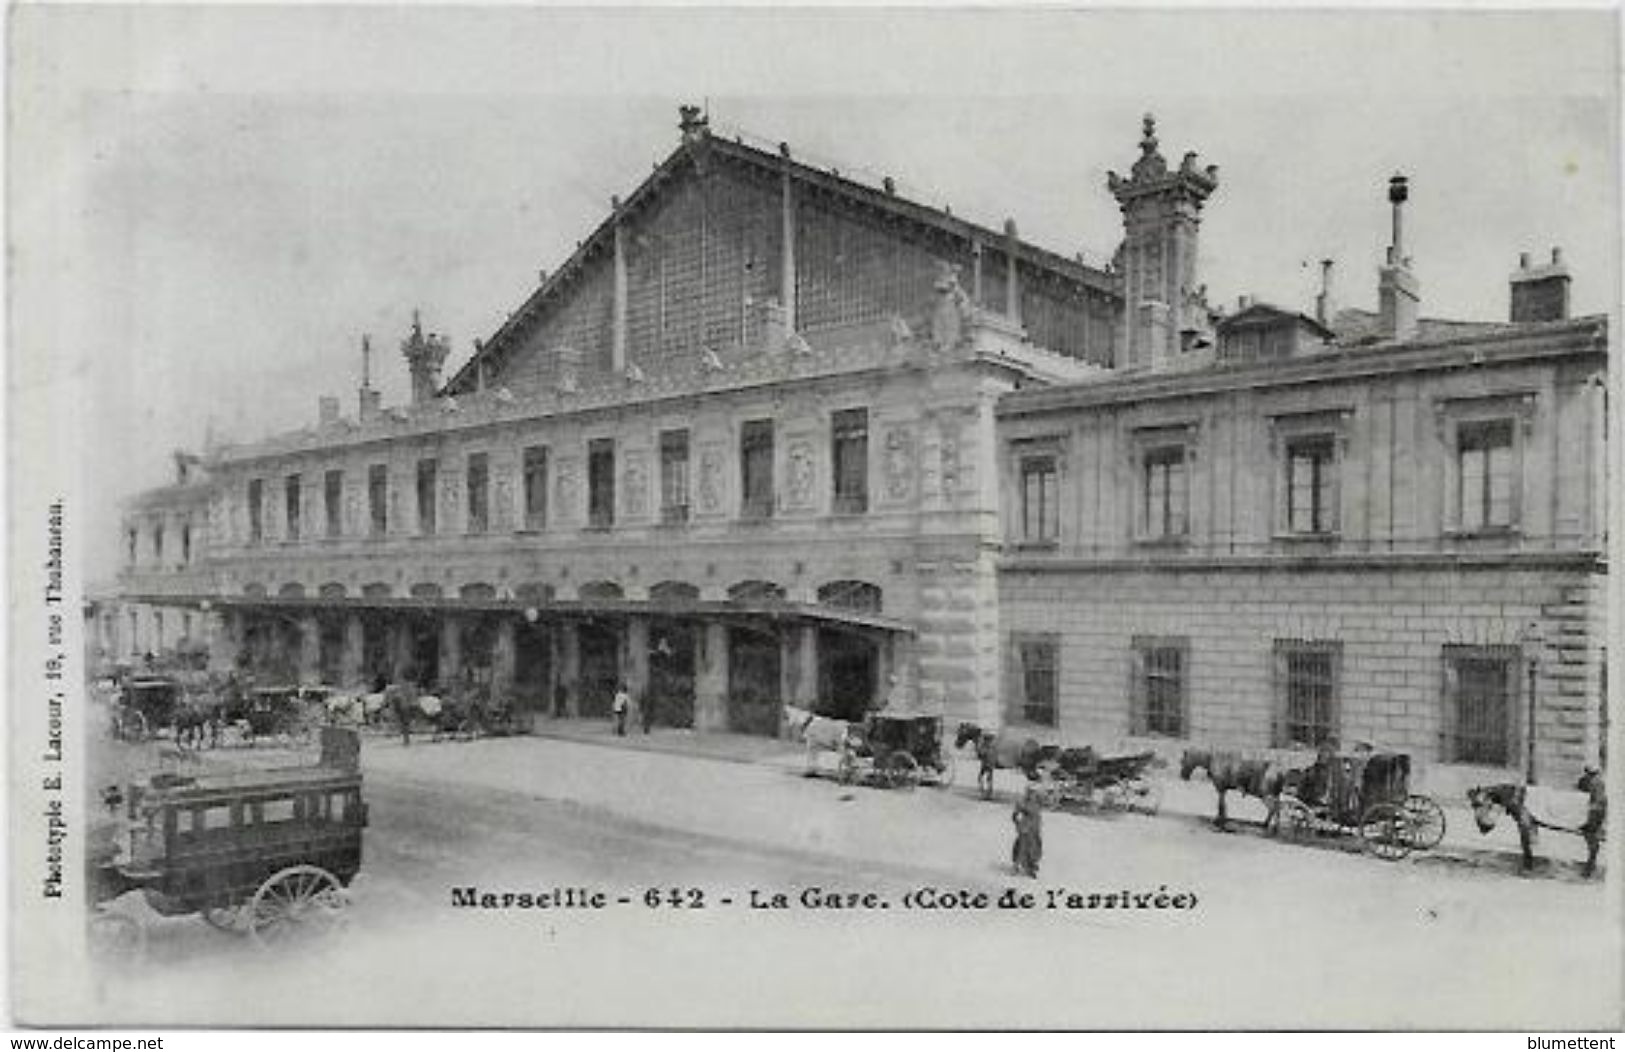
x,y
1037,678
293,494
1307,687
428,473
1167,492
756,469
1480,703
256,510
850,457
535,487
674,476
478,485
1040,503
1311,485
333,502
1158,690
378,499
1484,470
601,483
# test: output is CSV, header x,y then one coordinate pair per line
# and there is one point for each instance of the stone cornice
x,y
1588,559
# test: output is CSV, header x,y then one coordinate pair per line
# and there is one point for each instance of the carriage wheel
x,y
1295,821
901,771
117,937
1386,831
295,905
1427,821
224,918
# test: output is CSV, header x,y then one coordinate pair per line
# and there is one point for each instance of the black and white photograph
x,y
812,518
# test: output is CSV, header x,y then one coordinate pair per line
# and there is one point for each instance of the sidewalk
x,y
711,745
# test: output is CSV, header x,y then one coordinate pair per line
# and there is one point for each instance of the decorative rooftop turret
x,y
424,357
1162,210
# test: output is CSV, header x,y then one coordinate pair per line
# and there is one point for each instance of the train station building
x,y
772,435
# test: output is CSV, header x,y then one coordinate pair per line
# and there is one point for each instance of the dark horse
x,y
1486,800
1228,770
997,752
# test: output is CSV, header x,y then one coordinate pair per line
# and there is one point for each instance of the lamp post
x,y
1530,640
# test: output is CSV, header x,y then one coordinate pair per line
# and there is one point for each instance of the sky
x,y
210,205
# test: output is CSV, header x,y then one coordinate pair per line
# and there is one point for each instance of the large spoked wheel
x,y
1386,832
901,771
1427,821
1295,821
299,903
117,938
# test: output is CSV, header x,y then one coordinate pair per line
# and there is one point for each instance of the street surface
x,y
1280,935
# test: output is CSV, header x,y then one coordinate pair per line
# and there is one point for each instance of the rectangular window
x,y
158,543
333,502
1167,493
130,539
1481,686
1040,503
186,542
479,492
850,458
535,487
1311,493
1306,687
1161,666
378,499
601,483
256,511
756,469
293,496
1484,468
428,476
674,476
1040,680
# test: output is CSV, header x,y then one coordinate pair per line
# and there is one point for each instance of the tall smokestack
x,y
368,398
1398,291
1325,308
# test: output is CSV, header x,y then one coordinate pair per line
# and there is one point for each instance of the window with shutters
x,y
1036,679
1040,500
378,499
428,476
674,477
478,485
1311,485
1480,704
756,469
1307,688
1158,691
1484,475
293,495
333,502
1166,493
850,456
535,468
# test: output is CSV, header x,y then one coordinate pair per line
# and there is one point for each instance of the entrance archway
x,y
600,652
848,673
532,665
754,668
672,668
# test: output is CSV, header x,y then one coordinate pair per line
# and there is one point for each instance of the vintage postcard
x,y
812,518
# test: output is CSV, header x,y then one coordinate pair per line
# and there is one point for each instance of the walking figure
x,y
1028,848
622,701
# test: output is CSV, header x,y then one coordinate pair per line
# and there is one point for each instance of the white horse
x,y
819,734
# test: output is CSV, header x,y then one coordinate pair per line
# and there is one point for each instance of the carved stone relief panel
x,y
803,469
711,489
568,490
635,485
898,449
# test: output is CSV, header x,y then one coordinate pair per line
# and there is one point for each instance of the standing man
x,y
619,709
1028,850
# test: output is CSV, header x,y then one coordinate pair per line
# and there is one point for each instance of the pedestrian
x,y
1028,849
399,698
618,708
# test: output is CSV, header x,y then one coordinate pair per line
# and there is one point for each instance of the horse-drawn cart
x,y
1082,778
1365,794
897,750
145,704
268,853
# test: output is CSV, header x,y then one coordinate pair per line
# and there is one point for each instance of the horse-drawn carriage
x,y
268,853
1364,793
897,750
1083,778
144,704
286,711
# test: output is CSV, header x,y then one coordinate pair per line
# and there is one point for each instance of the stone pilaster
x,y
451,650
502,659
568,667
635,668
310,650
711,680
355,642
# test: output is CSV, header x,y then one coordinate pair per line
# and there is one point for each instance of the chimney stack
x,y
1398,291
1540,293
1325,308
368,399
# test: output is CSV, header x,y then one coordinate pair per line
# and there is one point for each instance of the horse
x,y
346,709
196,714
997,752
818,733
1487,800
1227,770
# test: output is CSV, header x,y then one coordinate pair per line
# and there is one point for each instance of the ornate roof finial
x,y
1148,139
417,324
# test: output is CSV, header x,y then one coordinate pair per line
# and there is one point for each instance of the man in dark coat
x,y
1028,849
